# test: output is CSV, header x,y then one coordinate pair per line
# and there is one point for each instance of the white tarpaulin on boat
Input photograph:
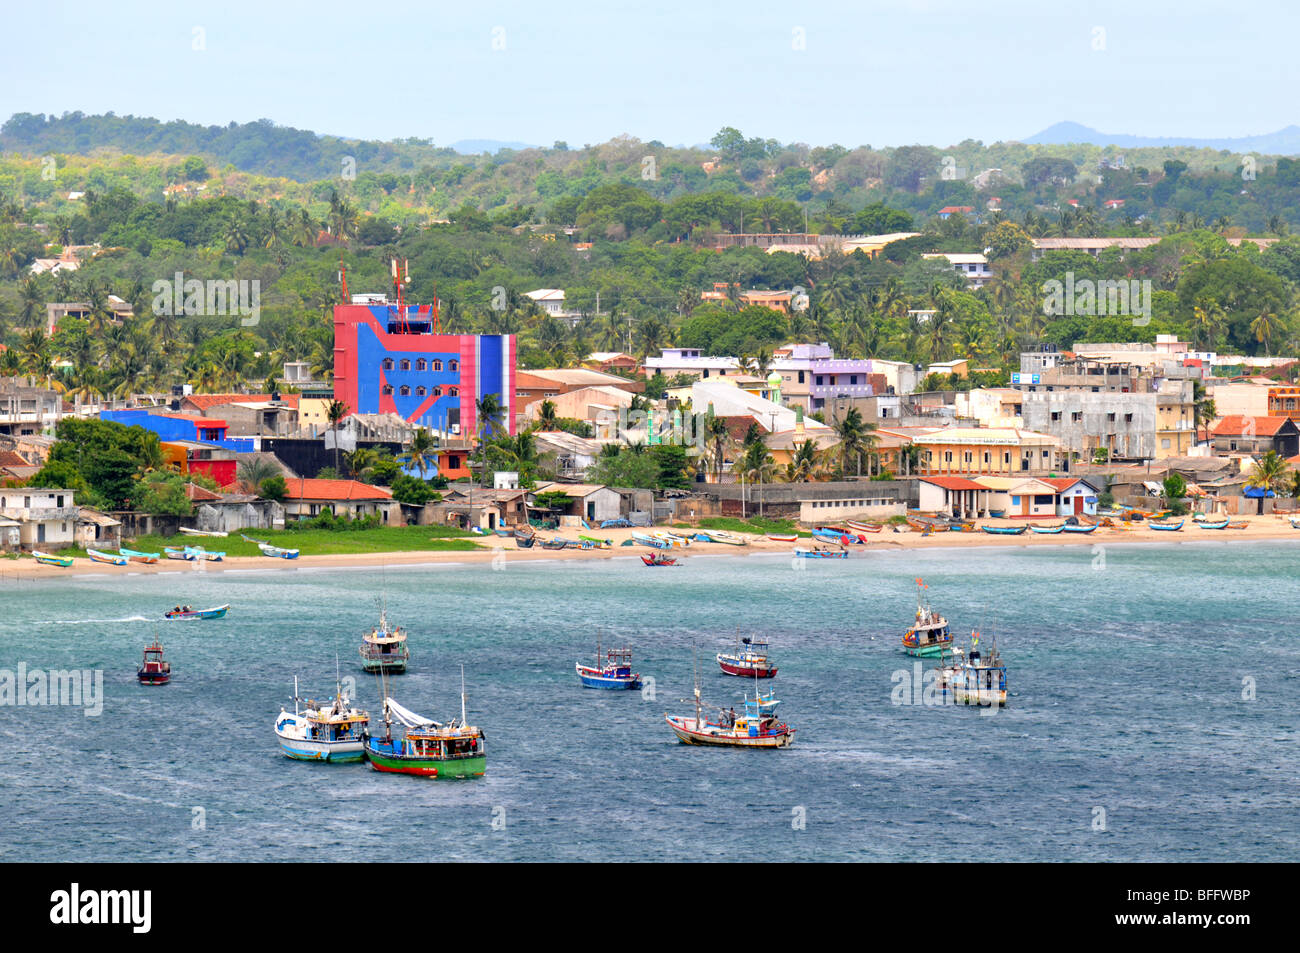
x,y
409,718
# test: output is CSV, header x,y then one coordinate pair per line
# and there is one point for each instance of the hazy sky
x,y
872,72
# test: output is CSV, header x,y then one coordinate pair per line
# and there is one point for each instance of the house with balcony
x,y
28,410
46,518
305,499
833,380
991,451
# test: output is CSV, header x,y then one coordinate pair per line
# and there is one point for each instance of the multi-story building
x,y
46,518
390,358
27,410
684,360
994,451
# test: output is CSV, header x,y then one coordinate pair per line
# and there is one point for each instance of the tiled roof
x,y
1236,425
301,489
200,494
953,483
206,401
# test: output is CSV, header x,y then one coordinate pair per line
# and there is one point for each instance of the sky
x,y
854,73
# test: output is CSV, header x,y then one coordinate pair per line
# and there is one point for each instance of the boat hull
x,y
713,736
340,752
217,613
47,560
154,678
389,666
926,651
595,680
441,768
731,667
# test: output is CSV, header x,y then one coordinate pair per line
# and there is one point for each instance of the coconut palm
x,y
335,412
253,471
1270,472
419,453
547,419
1265,328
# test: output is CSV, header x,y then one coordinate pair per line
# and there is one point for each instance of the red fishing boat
x,y
153,669
750,660
658,559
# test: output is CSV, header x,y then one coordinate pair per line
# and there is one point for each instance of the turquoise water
x,y
1126,671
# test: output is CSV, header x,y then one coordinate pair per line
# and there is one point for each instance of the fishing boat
x,y
525,542
332,732
1294,521
645,540
1220,524
554,543
830,535
1072,528
176,552
427,748
793,537
202,532
524,531
383,648
749,661
658,559
1238,524
929,634
597,543
758,727
199,554
138,557
969,679
1060,527
504,531
820,552
46,559
672,539
267,549
722,536
189,612
153,669
111,559
864,527
1004,530
612,670
1167,527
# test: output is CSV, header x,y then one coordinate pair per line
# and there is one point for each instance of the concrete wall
x,y
1135,439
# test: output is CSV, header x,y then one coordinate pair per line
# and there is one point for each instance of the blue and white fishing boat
x,y
969,679
1047,529
199,554
1073,528
1004,530
612,670
1167,527
820,552
269,550
111,559
645,540
333,732
1218,524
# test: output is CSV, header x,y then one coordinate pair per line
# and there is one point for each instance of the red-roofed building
x,y
304,499
1237,433
953,496
202,403
949,210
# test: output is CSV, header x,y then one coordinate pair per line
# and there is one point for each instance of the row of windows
x,y
854,504
420,365
421,391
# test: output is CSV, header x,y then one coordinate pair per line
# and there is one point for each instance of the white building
x,y
47,518
683,360
973,267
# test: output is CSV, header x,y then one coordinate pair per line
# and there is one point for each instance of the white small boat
x,y
722,536
203,555
329,732
112,559
672,539
200,532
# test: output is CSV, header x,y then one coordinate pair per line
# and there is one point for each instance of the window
x,y
1128,418
1165,443
986,456
437,365
1076,417
421,365
420,392
820,380
1110,417
1056,415
388,364
1043,499
405,365
453,366
404,391
801,377
453,391
388,388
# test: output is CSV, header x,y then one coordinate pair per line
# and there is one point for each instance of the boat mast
x,y
295,695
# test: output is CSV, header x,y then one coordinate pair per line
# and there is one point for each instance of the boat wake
x,y
129,618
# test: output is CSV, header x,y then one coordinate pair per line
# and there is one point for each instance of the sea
x,y
1152,716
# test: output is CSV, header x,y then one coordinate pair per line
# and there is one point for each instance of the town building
x,y
1255,436
972,266
305,499
689,361
991,451
47,518
28,410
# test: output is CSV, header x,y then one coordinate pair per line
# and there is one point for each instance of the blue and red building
x,y
389,359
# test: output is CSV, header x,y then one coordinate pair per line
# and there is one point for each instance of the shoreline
x,y
1261,528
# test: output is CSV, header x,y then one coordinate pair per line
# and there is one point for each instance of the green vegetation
x,y
755,525
315,542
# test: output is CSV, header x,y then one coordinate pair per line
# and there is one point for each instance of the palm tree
x,y
1271,472
1265,328
335,412
489,422
419,453
251,473
546,416
717,439
855,436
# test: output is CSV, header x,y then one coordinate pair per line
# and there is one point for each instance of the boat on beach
x,y
199,554
46,559
188,531
750,660
658,559
783,537
383,648
612,670
1004,530
332,733
1207,524
110,559
1167,527
178,552
864,527
720,536
969,679
426,748
268,550
138,557
929,635
1060,527
1073,528
153,668
189,612
645,540
671,539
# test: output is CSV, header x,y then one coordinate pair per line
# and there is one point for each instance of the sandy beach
x,y
499,548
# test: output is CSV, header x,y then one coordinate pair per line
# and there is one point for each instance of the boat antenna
x,y
462,695
295,695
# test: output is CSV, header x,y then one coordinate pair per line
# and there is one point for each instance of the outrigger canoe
x,y
721,536
46,559
864,527
111,559
137,557
1204,524
187,613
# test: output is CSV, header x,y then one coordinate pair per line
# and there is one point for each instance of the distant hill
x,y
474,147
1284,142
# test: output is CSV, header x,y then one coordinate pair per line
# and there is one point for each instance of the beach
x,y
1271,527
